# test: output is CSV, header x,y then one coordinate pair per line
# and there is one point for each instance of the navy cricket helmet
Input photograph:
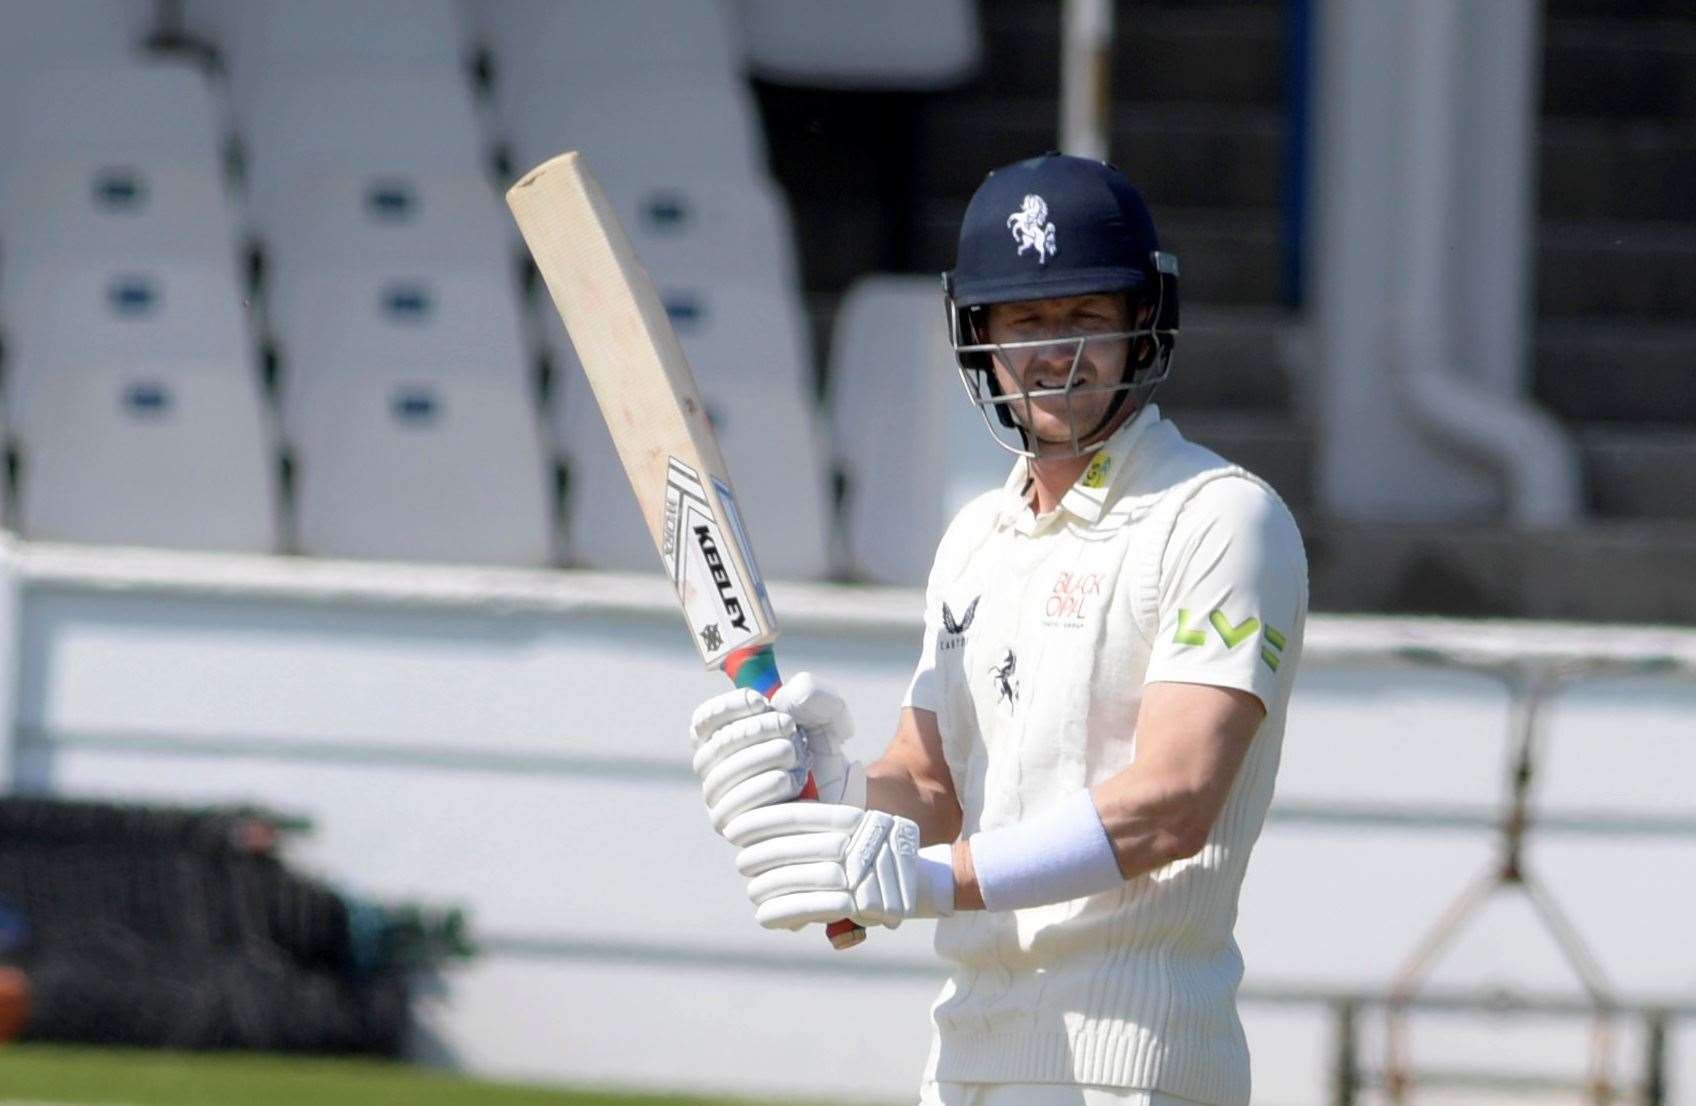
x,y
1055,226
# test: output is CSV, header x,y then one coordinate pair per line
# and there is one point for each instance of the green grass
x,y
118,1077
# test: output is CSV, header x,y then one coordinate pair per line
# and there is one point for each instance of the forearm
x,y
1134,823
892,787
1150,822
1191,739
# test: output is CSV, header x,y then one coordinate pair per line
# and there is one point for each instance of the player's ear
x,y
1140,311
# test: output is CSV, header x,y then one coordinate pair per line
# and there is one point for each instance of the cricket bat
x,y
653,409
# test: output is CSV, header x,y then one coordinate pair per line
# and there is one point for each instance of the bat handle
x,y
757,668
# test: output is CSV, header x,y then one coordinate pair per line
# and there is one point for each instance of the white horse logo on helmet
x,y
1032,230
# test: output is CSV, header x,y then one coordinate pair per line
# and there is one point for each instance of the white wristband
x,y
1059,855
936,881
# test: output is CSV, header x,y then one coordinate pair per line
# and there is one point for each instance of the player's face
x,y
1052,419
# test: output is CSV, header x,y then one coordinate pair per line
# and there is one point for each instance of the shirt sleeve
x,y
1233,593
921,689
963,533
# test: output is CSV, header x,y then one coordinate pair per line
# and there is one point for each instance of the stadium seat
x,y
301,124
147,112
700,230
870,44
913,448
542,41
93,207
349,321
145,451
741,335
307,34
770,441
72,310
639,128
416,219
750,355
391,465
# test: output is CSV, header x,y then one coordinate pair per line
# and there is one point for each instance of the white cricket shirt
x,y
1162,563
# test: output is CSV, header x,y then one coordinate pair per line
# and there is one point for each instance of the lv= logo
x,y
1232,636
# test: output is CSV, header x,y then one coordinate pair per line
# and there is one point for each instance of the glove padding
x,y
817,862
750,753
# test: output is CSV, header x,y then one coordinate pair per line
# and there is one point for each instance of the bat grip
x,y
757,668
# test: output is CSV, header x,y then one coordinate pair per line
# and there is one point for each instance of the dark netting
x,y
181,928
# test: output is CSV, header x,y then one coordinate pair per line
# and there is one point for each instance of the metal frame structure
x,y
1531,678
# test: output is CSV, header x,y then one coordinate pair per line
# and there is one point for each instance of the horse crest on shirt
x,y
1032,230
1006,685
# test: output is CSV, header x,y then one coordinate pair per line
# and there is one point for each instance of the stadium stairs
x,y
878,181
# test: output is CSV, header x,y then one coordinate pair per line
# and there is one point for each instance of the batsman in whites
x,y
1087,748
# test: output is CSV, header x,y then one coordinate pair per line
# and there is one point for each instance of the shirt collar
x,y
1087,499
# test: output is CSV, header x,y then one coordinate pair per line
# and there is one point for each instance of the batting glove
x,y
751,753
817,862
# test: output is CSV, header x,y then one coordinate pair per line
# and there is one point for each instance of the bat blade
x,y
648,396
652,405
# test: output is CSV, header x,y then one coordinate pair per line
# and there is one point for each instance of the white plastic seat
x,y
770,443
699,230
390,465
750,357
406,219
61,32
299,124
536,41
740,335
348,321
143,451
868,44
427,34
146,112
638,127
91,206
913,447
76,310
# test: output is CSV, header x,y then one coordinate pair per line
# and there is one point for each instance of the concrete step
x,y
1231,359
1589,371
1646,270
843,237
1275,447
1178,154
1201,53
1622,10
1227,256
1605,65
1484,568
846,162
1639,471
1617,169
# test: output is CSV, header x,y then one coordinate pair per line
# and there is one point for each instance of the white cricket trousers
x,y
1040,1094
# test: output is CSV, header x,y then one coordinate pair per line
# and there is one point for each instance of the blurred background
x,y
324,593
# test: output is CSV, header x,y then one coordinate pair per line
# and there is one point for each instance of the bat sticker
x,y
707,582
733,515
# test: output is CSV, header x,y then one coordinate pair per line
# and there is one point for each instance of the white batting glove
x,y
817,862
750,753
